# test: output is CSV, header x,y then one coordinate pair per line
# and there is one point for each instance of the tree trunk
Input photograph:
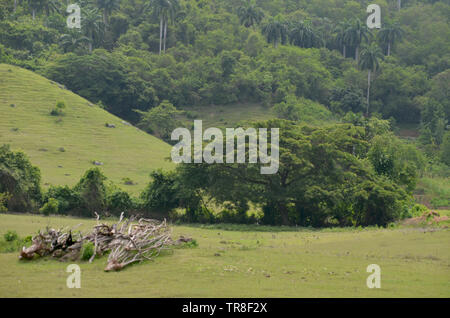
x,y
165,35
357,55
344,53
91,39
284,214
160,34
399,4
368,91
34,14
389,49
15,6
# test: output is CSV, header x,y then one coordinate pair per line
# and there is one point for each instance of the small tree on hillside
x,y
20,180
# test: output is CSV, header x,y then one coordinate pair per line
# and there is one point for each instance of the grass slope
x,y
247,262
25,123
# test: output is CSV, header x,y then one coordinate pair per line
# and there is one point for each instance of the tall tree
x,y
108,6
389,34
91,26
356,34
341,36
165,11
276,30
249,14
370,61
36,6
73,40
302,34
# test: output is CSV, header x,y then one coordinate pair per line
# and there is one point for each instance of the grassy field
x,y
26,100
247,261
226,115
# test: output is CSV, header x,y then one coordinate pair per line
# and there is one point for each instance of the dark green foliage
x,y
348,99
20,180
102,76
119,201
51,207
68,199
160,120
319,180
161,193
400,162
92,191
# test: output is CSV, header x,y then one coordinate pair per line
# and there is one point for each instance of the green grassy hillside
x,y
26,100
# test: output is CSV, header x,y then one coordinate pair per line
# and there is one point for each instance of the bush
x,y
119,201
51,207
68,199
417,210
11,236
58,110
87,250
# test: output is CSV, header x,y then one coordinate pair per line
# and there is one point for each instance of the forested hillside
x,y
162,63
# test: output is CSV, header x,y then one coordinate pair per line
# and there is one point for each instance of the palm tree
x,y
389,34
356,33
370,61
72,40
166,11
341,37
249,14
276,30
302,34
92,21
51,6
36,5
108,6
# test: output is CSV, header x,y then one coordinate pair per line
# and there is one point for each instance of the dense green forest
x,y
310,61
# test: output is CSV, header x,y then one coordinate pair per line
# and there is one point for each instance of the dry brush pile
x,y
126,242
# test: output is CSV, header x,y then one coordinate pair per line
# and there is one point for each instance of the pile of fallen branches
x,y
128,241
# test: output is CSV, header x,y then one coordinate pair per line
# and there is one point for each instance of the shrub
x,y
58,110
11,236
417,210
68,199
87,250
51,207
119,201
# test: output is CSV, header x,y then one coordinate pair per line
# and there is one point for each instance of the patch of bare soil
x,y
427,218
